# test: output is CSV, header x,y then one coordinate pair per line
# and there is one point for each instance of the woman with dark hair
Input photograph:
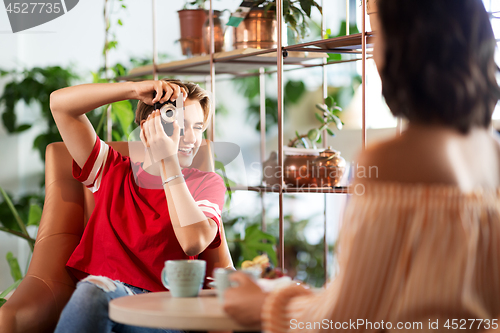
x,y
420,243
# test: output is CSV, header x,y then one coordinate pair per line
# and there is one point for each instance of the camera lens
x,y
168,113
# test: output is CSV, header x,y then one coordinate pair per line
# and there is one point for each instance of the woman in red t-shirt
x,y
146,212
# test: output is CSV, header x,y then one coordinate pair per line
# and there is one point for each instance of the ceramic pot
x,y
372,11
191,21
218,32
298,165
327,169
258,30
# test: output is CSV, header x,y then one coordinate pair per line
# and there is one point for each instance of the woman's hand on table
x,y
244,302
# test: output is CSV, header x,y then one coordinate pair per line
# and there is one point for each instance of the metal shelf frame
x,y
355,43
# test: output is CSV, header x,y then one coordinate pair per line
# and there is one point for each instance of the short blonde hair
x,y
194,91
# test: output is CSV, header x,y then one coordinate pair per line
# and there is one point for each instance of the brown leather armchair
x,y
38,301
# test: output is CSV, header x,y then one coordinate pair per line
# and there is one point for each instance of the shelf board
x,y
289,189
236,61
244,60
342,44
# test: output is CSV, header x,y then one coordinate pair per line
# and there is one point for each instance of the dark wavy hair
x,y
439,62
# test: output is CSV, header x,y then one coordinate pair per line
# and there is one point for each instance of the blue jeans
x,y
87,309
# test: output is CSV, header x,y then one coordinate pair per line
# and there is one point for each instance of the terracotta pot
x,y
218,32
257,30
327,170
372,11
192,21
298,165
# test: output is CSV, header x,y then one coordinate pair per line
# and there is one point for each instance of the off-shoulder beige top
x,y
407,253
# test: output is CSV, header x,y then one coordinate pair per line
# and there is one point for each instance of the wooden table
x,y
160,310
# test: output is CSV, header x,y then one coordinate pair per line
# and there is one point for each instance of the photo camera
x,y
169,112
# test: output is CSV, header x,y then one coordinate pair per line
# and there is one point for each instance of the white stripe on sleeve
x,y
209,204
100,163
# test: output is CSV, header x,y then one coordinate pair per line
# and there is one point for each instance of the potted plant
x,y
195,29
259,29
372,11
308,165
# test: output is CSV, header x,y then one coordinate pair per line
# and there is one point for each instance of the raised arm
x,y
69,105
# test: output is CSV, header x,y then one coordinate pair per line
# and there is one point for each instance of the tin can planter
x,y
218,33
258,30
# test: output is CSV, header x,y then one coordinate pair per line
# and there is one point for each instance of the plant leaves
x,y
22,128
320,119
323,108
34,215
338,122
9,289
306,7
253,244
123,112
293,91
15,271
330,131
329,101
2,301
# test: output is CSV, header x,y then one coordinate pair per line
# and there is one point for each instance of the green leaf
x,y
15,271
123,112
9,121
120,22
111,45
2,301
14,212
320,119
306,7
34,215
322,107
22,128
313,135
116,135
9,289
329,101
334,57
338,122
330,132
293,91
253,244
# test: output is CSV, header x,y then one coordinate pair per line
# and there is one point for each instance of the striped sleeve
x,y
92,172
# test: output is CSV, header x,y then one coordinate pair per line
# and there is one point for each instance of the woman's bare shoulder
x,y
434,157
409,159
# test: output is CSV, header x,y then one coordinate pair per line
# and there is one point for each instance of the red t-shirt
x,y
129,234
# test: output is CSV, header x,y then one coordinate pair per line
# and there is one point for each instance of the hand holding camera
x,y
159,145
151,92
